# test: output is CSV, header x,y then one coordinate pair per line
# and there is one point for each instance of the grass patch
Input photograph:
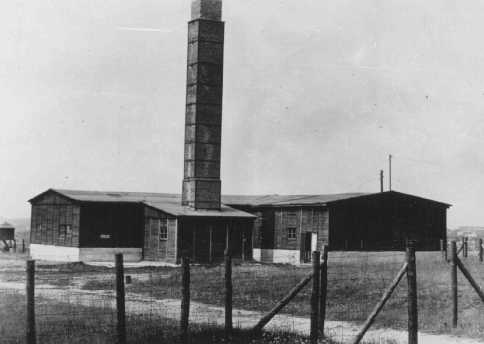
x,y
63,323
356,283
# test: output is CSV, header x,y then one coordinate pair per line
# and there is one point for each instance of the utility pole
x,y
390,173
381,180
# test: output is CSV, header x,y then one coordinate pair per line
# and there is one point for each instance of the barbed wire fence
x,y
72,309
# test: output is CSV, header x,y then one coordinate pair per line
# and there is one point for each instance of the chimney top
x,y
207,9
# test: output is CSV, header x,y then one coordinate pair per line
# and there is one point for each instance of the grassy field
x,y
62,324
356,283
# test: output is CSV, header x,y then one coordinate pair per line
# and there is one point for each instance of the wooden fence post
x,y
315,299
481,253
412,294
228,294
323,289
23,245
185,303
453,280
30,286
120,299
281,304
471,280
381,304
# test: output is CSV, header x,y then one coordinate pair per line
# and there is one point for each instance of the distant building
x,y
7,235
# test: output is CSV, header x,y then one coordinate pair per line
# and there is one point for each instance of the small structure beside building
x,y
7,235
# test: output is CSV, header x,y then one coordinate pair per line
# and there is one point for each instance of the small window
x,y
291,233
163,230
105,236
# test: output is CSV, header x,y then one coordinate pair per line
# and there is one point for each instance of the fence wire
x,y
77,304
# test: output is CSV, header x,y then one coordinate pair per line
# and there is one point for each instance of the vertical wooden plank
x,y
412,294
23,245
228,294
323,289
466,247
194,244
185,303
210,244
30,290
120,299
442,248
453,281
244,245
228,236
314,332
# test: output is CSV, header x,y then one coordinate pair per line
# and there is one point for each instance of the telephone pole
x,y
381,180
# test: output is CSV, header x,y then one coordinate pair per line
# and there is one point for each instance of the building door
x,y
306,242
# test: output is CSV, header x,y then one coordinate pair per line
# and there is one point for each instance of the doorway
x,y
309,243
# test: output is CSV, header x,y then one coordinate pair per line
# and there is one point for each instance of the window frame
x,y
162,230
289,233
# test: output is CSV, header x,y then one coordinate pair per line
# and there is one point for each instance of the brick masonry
x,y
203,121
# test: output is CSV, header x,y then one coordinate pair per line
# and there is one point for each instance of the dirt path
x,y
205,314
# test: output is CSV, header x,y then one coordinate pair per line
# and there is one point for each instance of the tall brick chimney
x,y
203,121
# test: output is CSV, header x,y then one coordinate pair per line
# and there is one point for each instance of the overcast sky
x,y
316,95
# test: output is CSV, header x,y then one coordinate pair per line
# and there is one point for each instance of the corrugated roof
x,y
169,203
173,200
280,200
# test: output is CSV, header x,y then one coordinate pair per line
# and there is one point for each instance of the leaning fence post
x,y
31,336
481,253
228,294
453,281
323,289
185,303
315,299
412,294
120,300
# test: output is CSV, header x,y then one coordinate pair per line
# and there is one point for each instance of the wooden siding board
x,y
305,220
50,216
385,221
153,248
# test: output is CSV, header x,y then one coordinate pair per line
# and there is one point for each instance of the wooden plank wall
x,y
48,214
313,220
154,248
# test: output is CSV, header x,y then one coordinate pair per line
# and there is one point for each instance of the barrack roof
x,y
171,203
168,203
